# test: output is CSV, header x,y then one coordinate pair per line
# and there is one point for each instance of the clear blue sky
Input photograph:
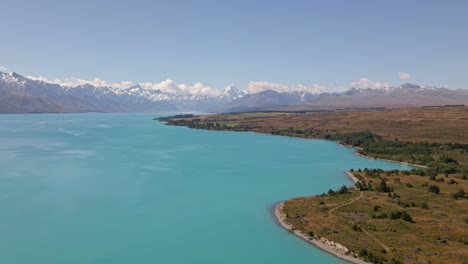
x,y
223,42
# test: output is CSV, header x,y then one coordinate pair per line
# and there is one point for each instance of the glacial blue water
x,y
121,188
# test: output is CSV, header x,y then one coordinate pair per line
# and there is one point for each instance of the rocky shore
x,y
329,246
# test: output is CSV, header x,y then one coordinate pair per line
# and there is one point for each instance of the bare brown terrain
x,y
442,124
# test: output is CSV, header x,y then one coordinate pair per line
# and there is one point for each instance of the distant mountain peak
x,y
409,86
13,77
231,88
232,92
170,96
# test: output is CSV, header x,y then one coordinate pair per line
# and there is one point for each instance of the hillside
x,y
403,218
29,95
432,124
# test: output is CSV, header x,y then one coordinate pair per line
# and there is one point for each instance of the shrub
x,y
356,228
358,185
383,186
424,205
406,217
379,216
459,194
445,159
452,181
401,215
363,252
395,215
434,189
343,190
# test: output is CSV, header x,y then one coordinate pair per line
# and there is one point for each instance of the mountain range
x,y
20,94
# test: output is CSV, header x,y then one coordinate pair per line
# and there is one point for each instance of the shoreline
x,y
369,157
352,177
341,144
331,247
401,162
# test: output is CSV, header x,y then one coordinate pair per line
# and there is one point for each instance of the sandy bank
x,y
351,175
329,246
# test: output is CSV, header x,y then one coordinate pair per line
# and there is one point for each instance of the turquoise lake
x,y
122,188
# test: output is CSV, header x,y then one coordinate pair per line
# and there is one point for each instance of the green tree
x,y
343,190
383,186
358,185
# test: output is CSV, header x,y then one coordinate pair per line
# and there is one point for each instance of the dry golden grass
x,y
438,234
442,125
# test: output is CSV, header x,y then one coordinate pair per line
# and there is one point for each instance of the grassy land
x,y
441,125
432,228
418,136
392,217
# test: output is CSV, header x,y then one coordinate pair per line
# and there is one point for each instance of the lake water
x,y
121,188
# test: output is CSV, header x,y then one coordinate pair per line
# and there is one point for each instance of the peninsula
x,y
416,216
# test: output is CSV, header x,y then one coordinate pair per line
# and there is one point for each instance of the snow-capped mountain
x,y
19,94
231,92
87,97
13,78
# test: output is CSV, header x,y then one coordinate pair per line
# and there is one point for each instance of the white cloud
x,y
39,78
167,86
256,87
405,76
172,87
366,83
74,82
3,68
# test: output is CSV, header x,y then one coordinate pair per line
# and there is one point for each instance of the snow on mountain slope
x,y
171,96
